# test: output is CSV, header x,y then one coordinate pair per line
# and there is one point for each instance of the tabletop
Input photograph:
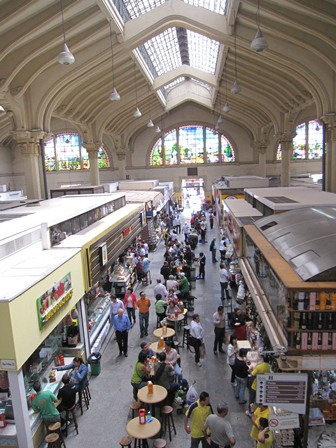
x,y
176,319
155,347
134,429
158,333
159,394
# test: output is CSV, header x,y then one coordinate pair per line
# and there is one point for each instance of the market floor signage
x,y
49,303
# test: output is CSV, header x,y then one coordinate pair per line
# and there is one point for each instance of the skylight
x,y
217,6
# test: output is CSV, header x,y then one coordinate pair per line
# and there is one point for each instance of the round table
x,y
158,395
155,347
176,320
158,333
142,432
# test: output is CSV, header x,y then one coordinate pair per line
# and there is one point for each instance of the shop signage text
x,y
8,364
49,303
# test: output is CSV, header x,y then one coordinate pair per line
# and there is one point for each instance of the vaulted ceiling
x,y
296,71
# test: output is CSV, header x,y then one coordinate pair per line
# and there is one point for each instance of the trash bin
x,y
94,361
192,273
192,282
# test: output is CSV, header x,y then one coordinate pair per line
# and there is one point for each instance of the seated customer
x,y
44,402
146,348
140,374
163,376
78,375
160,307
67,395
174,358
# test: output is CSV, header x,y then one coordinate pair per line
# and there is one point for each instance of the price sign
x,y
285,391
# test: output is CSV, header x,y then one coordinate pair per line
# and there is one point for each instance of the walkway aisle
x,y
105,421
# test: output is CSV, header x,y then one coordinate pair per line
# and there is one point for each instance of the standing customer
x,y
196,336
241,372
198,412
261,368
115,304
213,250
202,263
160,288
261,411
221,434
231,356
143,304
218,319
130,304
122,324
44,402
224,283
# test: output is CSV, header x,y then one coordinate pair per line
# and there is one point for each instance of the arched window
x,y
64,151
307,144
191,144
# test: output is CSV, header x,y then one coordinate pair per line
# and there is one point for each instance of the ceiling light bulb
x,y
157,130
259,43
150,124
235,88
66,57
114,95
137,113
226,108
220,120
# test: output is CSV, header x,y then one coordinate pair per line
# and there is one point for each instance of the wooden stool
x,y
126,441
84,395
53,440
186,331
159,443
168,421
158,321
74,419
134,407
176,345
56,428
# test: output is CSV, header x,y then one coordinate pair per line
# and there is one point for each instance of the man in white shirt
x,y
115,305
185,231
224,283
218,319
171,283
160,289
196,336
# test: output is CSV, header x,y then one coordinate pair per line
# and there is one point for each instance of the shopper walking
x,y
196,336
221,434
186,231
130,304
218,319
122,324
143,305
202,263
224,283
213,250
198,413
115,304
241,372
232,351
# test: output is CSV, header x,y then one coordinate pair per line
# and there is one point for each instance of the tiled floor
x,y
105,421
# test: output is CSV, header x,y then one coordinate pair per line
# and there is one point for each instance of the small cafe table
x,y
176,320
142,432
158,395
155,347
169,334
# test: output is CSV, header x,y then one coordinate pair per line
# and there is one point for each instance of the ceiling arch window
x,y
307,144
191,144
64,151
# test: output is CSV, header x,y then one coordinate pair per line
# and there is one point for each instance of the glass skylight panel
x,y
136,8
203,52
164,52
174,83
218,6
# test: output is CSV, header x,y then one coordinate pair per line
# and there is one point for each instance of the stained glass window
x,y
157,156
49,155
299,142
191,144
315,140
227,153
170,148
212,146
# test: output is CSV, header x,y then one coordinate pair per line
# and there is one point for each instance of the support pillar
x,y
92,150
330,153
122,165
29,143
261,146
19,400
286,141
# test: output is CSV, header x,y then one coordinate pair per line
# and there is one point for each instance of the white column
x,y
122,165
19,400
92,150
330,152
286,141
261,146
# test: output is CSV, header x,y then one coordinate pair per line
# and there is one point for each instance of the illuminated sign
x,y
49,303
126,232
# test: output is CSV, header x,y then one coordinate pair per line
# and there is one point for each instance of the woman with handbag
x,y
196,337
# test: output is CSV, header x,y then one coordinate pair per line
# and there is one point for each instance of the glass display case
x,y
98,311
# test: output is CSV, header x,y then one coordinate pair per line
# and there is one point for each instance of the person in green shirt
x,y
140,374
160,307
44,402
183,286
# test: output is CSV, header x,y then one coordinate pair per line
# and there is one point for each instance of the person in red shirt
x,y
130,303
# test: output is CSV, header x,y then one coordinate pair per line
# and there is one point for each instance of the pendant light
x,y
65,57
235,89
137,113
259,42
114,96
157,129
226,107
150,124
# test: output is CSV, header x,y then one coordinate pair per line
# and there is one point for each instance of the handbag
x,y
202,351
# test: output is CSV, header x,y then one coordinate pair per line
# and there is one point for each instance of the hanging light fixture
x,y
65,57
150,124
114,96
157,129
226,107
236,87
259,42
67,141
137,113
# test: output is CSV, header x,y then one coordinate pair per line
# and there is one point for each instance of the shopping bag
x,y
202,351
192,395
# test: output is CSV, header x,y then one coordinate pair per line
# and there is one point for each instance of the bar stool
x,y
134,406
186,332
53,440
158,321
159,443
168,421
74,419
126,441
56,428
84,395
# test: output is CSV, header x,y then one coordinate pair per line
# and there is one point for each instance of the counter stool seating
x,y
186,332
168,421
74,419
56,428
158,321
84,395
53,440
126,441
176,345
159,443
134,406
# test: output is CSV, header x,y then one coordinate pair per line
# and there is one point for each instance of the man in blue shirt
x,y
121,325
